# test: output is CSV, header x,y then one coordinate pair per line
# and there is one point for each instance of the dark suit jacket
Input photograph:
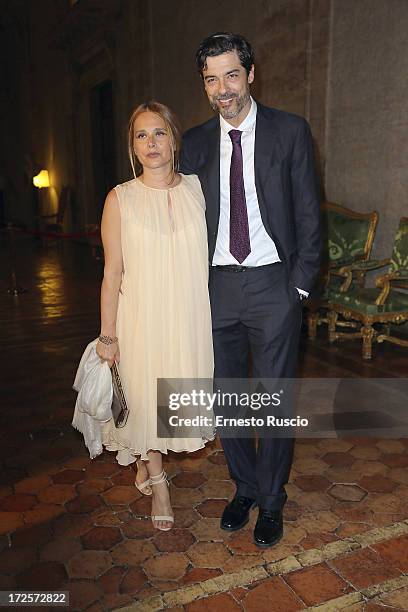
x,y
285,182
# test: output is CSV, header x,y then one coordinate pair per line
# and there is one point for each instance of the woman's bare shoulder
x,y
111,201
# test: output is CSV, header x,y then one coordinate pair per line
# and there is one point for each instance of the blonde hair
x,y
172,125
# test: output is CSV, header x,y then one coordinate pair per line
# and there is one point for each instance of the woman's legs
x,y
160,499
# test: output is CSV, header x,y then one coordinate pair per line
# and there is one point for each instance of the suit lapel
x,y
212,169
267,152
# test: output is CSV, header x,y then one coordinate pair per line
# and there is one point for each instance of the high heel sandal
x,y
143,485
155,480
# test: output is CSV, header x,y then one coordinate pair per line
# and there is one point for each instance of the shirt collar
x,y
247,124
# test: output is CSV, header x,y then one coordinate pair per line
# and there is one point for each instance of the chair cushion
x,y
363,301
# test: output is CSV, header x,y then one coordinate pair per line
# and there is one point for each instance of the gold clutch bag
x,y
120,411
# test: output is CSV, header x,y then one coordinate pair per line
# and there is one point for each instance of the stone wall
x,y
290,40
367,161
340,63
147,49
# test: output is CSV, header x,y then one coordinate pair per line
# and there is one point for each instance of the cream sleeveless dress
x,y
163,319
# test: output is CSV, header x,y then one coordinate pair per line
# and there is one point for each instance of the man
x,y
257,173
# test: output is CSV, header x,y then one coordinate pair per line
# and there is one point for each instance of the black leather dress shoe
x,y
236,513
269,528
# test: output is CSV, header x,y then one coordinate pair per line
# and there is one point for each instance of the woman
x,y
155,313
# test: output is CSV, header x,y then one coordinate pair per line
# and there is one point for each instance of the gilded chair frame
x,y
315,305
384,282
366,332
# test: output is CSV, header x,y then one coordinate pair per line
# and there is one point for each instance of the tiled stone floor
x,y
67,523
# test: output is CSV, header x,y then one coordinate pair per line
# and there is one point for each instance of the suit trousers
x,y
256,312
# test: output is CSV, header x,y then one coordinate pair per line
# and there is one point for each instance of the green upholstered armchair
x,y
367,306
347,238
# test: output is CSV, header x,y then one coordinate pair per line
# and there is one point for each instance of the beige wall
x,y
367,163
183,25
340,63
290,40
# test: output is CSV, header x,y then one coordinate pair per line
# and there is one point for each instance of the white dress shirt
x,y
263,248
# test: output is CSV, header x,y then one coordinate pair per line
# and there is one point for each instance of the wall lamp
x,y
42,179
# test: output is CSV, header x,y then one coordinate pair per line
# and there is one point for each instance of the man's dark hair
x,y
224,42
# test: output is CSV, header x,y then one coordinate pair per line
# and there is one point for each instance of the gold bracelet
x,y
107,340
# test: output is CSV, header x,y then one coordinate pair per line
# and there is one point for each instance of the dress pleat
x,y
163,320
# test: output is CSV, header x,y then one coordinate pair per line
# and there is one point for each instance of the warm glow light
x,y
42,179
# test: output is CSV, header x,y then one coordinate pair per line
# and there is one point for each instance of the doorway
x,y
103,141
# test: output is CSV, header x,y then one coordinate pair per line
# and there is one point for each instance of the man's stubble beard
x,y
241,102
